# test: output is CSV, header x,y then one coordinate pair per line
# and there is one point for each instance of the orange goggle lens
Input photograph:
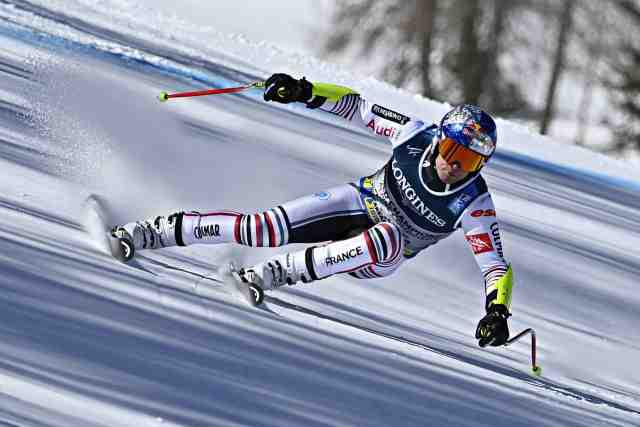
x,y
452,152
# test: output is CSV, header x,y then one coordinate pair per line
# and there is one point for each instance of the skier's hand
x,y
492,328
285,89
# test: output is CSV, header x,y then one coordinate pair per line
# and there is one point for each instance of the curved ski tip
x,y
257,294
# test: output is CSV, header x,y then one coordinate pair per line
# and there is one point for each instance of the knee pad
x,y
385,244
266,229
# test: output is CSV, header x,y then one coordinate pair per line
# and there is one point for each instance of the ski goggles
x,y
453,152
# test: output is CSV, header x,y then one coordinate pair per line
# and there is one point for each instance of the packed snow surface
x,y
88,341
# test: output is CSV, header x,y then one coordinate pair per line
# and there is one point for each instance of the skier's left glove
x,y
285,89
492,328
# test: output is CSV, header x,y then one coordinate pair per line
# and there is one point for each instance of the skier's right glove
x,y
285,89
492,328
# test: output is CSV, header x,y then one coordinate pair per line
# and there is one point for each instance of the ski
x,y
97,220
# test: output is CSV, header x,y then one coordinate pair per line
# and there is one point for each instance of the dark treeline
x,y
624,83
489,52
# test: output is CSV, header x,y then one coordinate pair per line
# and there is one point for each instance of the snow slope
x,y
85,340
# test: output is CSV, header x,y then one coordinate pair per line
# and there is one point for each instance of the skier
x,y
430,187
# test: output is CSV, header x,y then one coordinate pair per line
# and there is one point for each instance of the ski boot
x,y
248,278
153,233
121,243
285,269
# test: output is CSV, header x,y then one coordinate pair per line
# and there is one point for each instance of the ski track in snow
x,y
87,341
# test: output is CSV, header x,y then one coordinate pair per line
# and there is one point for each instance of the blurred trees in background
x,y
507,55
624,82
449,47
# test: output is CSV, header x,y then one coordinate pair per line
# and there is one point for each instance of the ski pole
x,y
536,369
164,96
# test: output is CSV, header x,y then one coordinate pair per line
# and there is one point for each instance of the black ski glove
x,y
492,328
285,89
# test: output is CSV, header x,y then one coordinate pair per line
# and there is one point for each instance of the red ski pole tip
x,y
164,96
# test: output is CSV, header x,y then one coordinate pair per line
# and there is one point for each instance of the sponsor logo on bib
x,y
411,196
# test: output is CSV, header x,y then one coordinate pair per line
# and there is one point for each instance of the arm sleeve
x,y
482,232
378,120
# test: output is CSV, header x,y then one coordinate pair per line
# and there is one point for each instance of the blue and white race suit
x,y
400,210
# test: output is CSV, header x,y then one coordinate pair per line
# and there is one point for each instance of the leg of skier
x,y
376,252
329,215
337,215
